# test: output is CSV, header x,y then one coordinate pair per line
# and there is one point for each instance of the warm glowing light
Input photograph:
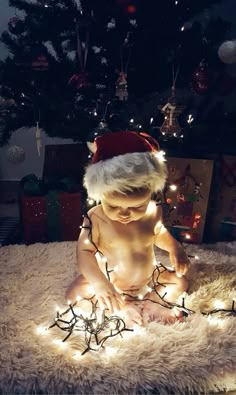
x,y
42,330
187,236
219,304
91,202
196,257
140,296
190,119
215,321
91,290
151,208
168,200
173,187
110,351
86,241
104,259
160,155
77,355
59,343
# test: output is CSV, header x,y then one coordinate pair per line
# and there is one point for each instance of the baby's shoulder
x,y
155,209
95,214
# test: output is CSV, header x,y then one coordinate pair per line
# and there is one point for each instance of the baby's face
x,y
125,208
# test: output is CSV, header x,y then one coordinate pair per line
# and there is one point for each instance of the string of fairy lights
x,y
98,326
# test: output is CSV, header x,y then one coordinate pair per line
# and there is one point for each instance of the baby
x,y
115,249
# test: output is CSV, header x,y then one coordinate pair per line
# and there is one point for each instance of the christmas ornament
x,y
202,80
170,126
15,154
15,25
38,138
39,59
227,52
121,87
79,81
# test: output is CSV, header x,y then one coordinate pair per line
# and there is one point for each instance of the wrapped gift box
x,y
54,217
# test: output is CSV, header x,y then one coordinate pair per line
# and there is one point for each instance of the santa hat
x,y
124,161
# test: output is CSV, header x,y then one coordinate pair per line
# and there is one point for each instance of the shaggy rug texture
x,y
194,356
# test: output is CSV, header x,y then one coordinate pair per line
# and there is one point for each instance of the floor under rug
x,y
195,356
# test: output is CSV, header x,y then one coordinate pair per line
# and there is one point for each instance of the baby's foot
x,y
155,312
132,315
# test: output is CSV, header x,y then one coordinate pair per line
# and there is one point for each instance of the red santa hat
x,y
119,150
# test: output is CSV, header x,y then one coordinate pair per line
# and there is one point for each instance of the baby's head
x,y
125,163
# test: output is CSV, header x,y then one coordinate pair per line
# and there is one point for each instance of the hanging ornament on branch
x,y
15,154
40,58
15,25
227,52
171,110
80,80
202,79
121,92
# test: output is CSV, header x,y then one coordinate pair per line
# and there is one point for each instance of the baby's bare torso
x,y
128,248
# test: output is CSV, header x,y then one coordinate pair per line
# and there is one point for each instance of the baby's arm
x,y
167,242
105,292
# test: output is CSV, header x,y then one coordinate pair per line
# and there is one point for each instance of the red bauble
x,y
15,25
39,58
226,85
202,80
79,81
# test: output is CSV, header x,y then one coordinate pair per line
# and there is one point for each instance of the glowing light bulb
x,y
173,187
187,236
190,119
151,120
182,29
151,208
160,155
132,120
163,133
90,202
59,343
91,290
42,330
219,304
110,351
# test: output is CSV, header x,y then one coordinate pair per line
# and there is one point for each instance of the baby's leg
x,y
132,313
173,287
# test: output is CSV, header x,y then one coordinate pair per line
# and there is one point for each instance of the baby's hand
x,y
107,296
180,261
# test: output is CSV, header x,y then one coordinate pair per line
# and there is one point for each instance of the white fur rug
x,y
196,356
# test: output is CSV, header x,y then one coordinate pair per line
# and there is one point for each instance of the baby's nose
x,y
124,212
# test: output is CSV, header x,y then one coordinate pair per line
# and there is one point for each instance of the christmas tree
x,y
79,68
